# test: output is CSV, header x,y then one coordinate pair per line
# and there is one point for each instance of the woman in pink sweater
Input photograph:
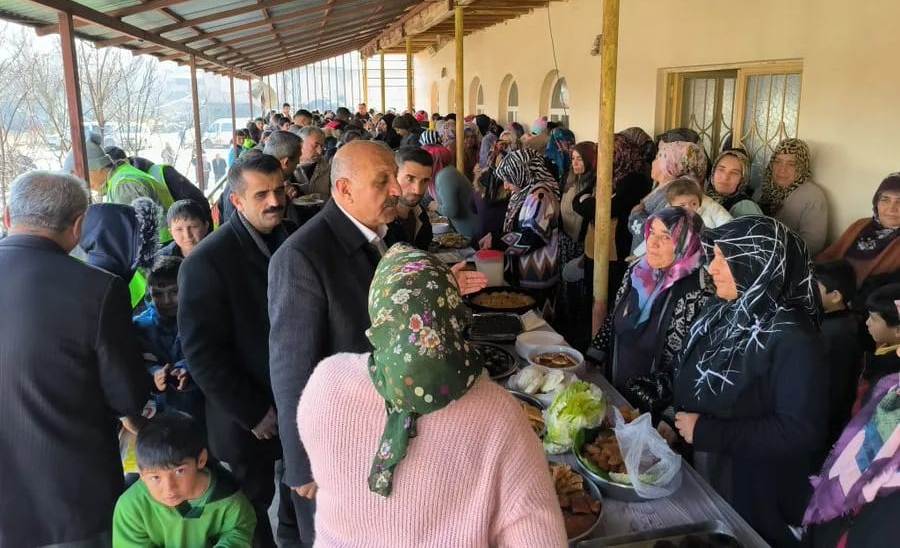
x,y
413,445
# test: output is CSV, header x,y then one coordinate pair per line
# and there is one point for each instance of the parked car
x,y
219,133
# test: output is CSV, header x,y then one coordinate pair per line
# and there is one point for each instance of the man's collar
x,y
369,234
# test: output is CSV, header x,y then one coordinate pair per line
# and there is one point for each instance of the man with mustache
x,y
412,225
225,330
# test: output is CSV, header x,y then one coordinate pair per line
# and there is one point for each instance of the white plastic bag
x,y
653,468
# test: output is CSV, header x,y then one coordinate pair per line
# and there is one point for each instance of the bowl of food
x,y
451,240
564,358
499,362
579,499
502,299
534,410
528,342
598,456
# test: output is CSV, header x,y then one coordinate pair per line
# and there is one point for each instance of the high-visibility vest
x,y
137,287
127,172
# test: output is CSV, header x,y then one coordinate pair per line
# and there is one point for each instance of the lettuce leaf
x,y
580,405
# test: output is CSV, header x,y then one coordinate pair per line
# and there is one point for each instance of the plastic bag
x,y
653,468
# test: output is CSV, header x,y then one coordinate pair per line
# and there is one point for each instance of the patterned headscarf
x,y
774,195
525,169
559,151
420,362
627,159
649,283
429,137
740,192
875,237
865,462
639,138
681,158
773,273
447,131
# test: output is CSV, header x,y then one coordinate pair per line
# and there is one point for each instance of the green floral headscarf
x,y
420,362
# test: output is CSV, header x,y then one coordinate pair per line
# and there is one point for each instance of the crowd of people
x,y
169,363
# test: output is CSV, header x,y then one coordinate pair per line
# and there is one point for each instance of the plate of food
x,y
493,326
540,382
579,499
561,357
534,410
599,457
451,240
499,362
308,200
502,299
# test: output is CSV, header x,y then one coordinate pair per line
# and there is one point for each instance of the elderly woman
x,y
531,225
673,160
789,194
728,183
416,430
559,152
750,380
654,308
871,245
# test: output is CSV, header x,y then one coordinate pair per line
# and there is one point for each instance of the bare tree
x,y
46,100
102,71
136,103
13,114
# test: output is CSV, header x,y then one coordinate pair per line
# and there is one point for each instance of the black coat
x,y
225,336
70,364
759,453
422,239
318,306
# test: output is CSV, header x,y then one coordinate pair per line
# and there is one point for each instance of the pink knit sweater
x,y
474,476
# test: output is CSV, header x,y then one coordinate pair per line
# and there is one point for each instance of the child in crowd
x,y
188,224
840,333
157,328
180,501
884,326
686,192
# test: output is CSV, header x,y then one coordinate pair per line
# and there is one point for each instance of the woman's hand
x,y
468,281
486,241
685,423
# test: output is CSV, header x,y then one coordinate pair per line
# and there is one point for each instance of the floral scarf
x,y
865,462
559,151
875,238
420,362
774,195
628,159
774,275
740,193
681,158
644,143
648,282
525,169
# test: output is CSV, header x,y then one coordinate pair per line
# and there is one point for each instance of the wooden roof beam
x,y
119,14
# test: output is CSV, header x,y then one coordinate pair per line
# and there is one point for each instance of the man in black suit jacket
x,y
225,330
318,292
70,364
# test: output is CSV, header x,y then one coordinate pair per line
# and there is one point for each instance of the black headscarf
x,y
120,238
776,289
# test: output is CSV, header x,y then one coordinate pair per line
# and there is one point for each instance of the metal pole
x,y
250,95
233,106
365,79
383,91
73,94
602,222
409,75
284,87
460,117
198,140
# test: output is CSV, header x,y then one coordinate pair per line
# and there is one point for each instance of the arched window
x,y
559,103
479,101
512,103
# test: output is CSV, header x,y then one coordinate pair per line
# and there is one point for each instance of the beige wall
x,y
850,98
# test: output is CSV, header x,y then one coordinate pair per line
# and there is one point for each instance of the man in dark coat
x,y
225,330
414,173
70,365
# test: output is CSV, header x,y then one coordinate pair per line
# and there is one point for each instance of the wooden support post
x,y
198,137
460,102
383,90
410,91
73,94
602,223
233,106
365,81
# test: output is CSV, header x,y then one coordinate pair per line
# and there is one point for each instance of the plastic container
x,y
490,263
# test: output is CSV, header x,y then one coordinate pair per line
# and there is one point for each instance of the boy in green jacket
x,y
179,501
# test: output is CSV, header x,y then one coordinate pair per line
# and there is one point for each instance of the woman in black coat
x,y
750,380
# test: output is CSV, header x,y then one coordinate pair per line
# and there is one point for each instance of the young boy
x,y
686,192
157,328
884,327
180,502
840,333
188,224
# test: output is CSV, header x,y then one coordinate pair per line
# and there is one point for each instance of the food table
x,y
695,501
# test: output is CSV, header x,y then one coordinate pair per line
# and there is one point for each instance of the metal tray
x,y
481,330
609,488
716,533
512,364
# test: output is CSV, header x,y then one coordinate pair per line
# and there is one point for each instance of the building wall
x,y
850,97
